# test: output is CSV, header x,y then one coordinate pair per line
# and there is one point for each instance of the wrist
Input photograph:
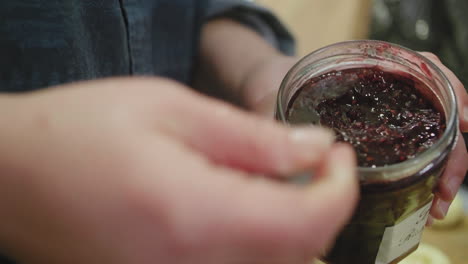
x,y
230,52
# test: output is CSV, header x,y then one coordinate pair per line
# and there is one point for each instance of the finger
x,y
439,208
240,140
460,91
455,172
218,213
267,219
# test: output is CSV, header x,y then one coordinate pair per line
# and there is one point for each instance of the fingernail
x,y
453,185
465,113
344,153
430,221
443,207
310,142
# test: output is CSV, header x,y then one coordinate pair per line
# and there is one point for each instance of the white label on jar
x,y
400,238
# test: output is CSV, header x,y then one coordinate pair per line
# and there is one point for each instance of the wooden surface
x,y
453,242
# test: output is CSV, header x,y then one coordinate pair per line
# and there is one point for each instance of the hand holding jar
x,y
399,111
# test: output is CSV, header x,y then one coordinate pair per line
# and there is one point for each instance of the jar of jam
x,y
399,112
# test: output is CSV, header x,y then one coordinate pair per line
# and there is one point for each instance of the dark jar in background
x,y
395,199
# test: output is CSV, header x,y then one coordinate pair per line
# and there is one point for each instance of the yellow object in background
x,y
317,23
426,254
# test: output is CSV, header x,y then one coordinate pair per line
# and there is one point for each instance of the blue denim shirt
x,y
44,43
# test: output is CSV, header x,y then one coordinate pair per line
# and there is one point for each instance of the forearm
x,y
233,53
14,135
8,120
19,132
8,181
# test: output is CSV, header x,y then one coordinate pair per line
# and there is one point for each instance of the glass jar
x,y
395,199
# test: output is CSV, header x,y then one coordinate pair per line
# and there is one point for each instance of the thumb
x,y
240,140
268,220
460,91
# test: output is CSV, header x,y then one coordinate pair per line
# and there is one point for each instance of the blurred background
x,y
316,23
438,26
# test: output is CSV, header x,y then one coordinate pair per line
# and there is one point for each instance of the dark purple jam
x,y
384,115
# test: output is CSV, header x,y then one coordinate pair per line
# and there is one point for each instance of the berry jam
x,y
383,115
388,118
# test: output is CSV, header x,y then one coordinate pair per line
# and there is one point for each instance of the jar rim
x,y
451,121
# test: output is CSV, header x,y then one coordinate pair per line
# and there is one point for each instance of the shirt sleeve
x,y
258,18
